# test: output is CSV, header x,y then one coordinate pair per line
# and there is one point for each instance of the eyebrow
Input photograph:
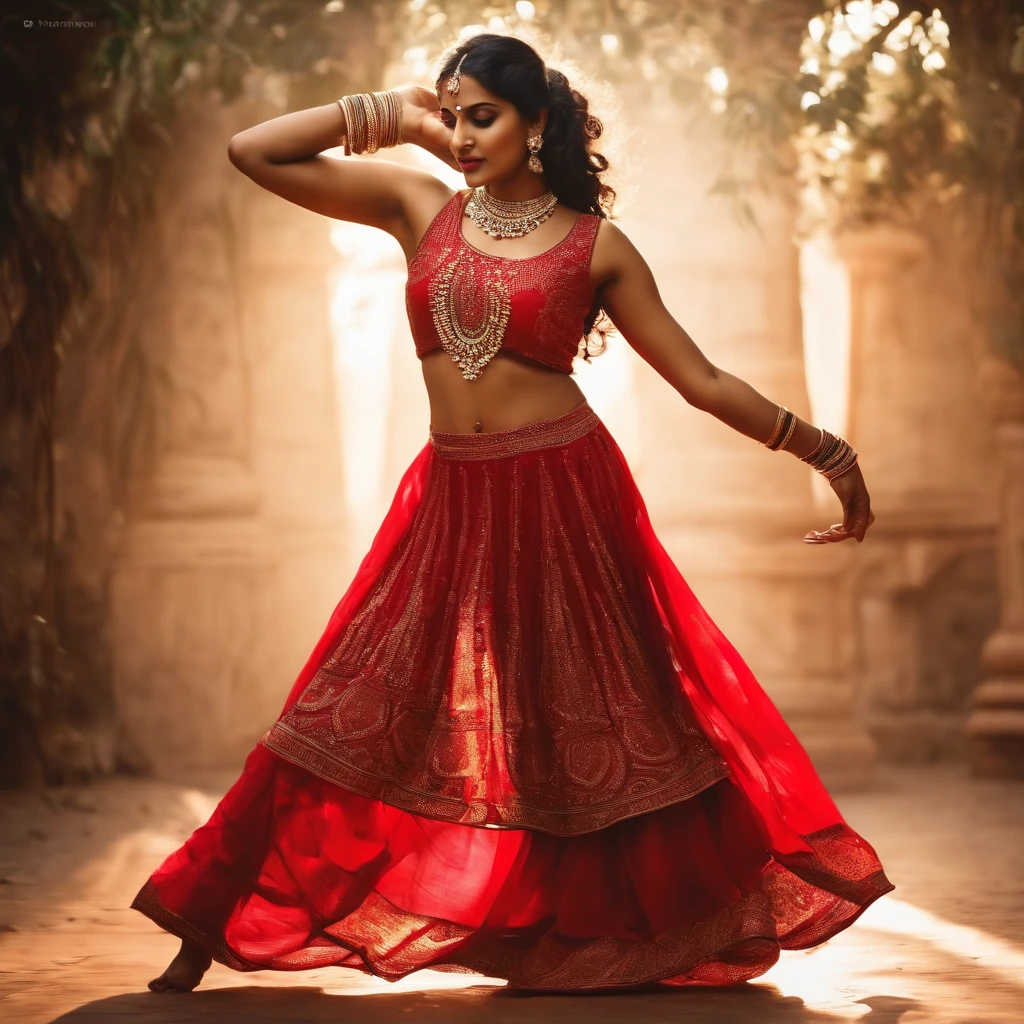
x,y
472,106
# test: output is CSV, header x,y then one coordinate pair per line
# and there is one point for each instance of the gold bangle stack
x,y
785,424
832,457
373,120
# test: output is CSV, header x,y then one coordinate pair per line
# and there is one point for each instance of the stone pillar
x,y
286,265
194,584
995,727
193,598
236,550
732,514
925,595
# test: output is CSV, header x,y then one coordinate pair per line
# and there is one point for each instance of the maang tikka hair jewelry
x,y
455,82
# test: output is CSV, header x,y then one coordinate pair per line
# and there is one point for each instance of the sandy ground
x,y
946,948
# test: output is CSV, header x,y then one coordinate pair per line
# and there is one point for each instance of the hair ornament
x,y
455,82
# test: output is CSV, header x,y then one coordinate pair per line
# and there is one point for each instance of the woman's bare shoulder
x,y
424,197
613,252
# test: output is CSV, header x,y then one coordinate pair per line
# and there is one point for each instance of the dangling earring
x,y
533,143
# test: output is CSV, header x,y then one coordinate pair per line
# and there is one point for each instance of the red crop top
x,y
471,304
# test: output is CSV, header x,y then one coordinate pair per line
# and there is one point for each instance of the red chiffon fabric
x,y
690,867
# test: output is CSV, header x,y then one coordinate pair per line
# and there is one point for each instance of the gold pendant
x,y
457,291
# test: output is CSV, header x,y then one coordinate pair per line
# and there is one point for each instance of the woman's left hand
x,y
857,514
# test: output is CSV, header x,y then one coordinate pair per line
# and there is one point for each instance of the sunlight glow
x,y
821,977
896,917
844,31
420,981
850,38
415,59
833,80
717,81
876,165
367,314
884,63
825,311
841,44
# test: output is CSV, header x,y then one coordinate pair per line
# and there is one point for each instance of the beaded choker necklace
x,y
503,218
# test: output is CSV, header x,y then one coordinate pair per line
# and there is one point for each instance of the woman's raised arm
x,y
283,155
631,298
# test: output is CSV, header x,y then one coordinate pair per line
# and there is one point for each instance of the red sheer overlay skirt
x,y
521,748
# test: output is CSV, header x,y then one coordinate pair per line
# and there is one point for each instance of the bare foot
x,y
184,972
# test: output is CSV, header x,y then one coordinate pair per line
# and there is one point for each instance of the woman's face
x,y
488,133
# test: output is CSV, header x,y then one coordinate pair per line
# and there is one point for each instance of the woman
x,y
521,747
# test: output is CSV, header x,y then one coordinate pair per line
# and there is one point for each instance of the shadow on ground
x,y
741,1004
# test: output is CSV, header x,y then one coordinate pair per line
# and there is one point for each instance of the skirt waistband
x,y
495,444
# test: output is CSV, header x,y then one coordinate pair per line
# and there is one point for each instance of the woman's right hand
x,y
857,515
422,124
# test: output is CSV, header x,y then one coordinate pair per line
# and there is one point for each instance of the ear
x,y
540,124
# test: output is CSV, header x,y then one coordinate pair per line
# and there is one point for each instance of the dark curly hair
x,y
512,69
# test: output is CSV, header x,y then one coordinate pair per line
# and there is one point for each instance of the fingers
x,y
854,528
834,533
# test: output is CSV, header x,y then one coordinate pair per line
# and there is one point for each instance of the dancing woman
x,y
521,747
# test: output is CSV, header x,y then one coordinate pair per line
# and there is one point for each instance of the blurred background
x,y
207,395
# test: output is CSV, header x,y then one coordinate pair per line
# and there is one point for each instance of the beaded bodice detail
x,y
473,304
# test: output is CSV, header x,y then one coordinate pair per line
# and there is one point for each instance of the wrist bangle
x,y
373,121
832,456
785,429
788,436
777,429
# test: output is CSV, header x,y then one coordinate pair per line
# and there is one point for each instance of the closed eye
x,y
449,121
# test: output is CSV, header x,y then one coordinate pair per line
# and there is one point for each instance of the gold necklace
x,y
509,218
463,292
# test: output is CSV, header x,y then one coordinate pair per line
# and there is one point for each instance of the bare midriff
x,y
510,392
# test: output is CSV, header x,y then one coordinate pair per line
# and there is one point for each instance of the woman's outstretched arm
x,y
631,298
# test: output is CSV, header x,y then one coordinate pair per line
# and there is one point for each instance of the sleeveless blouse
x,y
473,304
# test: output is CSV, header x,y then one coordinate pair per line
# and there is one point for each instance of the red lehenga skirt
x,y
521,748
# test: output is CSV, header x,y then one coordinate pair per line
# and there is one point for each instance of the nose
x,y
462,139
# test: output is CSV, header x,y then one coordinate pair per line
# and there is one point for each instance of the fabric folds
x,y
521,748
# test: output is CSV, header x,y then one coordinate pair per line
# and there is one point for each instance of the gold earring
x,y
533,143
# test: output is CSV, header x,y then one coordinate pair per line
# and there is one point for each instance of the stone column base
x,y
995,728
